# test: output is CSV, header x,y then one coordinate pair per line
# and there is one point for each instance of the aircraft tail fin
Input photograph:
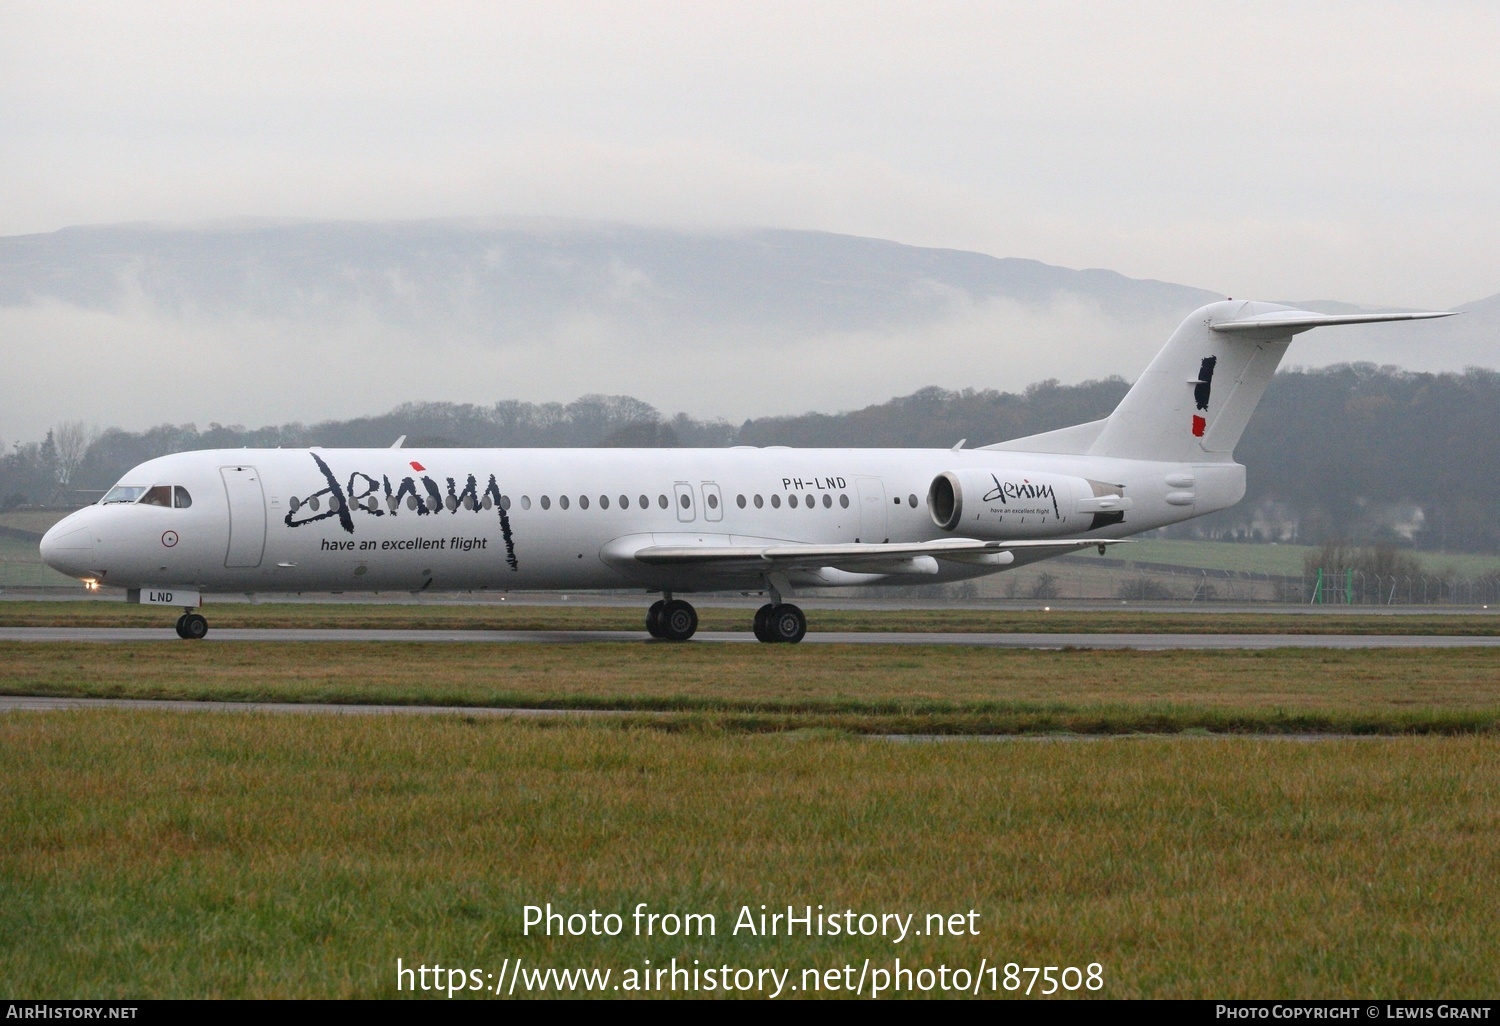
x,y
1193,402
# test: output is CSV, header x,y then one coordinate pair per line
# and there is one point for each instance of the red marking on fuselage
x,y
417,466
1199,424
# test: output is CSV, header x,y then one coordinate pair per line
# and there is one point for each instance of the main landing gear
x,y
675,620
780,621
671,619
191,626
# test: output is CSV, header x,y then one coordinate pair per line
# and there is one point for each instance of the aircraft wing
x,y
888,558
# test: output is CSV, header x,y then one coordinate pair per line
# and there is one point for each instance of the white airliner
x,y
684,520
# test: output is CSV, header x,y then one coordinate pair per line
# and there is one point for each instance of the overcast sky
x,y
1344,150
1301,150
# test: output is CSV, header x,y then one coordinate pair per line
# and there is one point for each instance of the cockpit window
x,y
157,495
125,493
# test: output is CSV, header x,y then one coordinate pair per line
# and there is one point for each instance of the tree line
x,y
1354,453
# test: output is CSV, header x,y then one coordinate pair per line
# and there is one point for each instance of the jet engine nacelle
x,y
998,504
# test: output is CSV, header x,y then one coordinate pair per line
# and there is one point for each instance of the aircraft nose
x,y
67,547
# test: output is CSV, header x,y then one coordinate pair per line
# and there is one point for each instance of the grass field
x,y
518,616
863,689
168,855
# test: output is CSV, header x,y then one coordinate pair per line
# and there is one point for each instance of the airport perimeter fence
x,y
1079,579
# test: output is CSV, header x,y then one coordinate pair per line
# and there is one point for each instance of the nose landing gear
x,y
191,626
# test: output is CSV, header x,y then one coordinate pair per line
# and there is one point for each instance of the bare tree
x,y
72,439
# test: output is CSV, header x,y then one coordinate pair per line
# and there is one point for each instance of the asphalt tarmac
x,y
1149,642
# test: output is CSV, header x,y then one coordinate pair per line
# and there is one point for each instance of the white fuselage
x,y
458,519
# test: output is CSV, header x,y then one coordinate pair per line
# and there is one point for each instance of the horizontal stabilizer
x,y
1291,322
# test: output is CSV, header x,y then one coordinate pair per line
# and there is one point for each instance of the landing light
x,y
91,585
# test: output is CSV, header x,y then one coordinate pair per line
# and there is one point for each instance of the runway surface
x,y
1153,642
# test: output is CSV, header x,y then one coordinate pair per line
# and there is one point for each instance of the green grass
x,y
864,688
35,521
519,616
166,855
21,566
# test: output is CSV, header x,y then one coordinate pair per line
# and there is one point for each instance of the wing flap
x,y
866,558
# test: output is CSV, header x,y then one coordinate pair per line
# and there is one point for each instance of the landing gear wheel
x,y
787,623
192,627
678,621
182,631
653,619
763,623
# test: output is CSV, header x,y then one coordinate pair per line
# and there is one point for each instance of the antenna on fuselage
x,y
397,443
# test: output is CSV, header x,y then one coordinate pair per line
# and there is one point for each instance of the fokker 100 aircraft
x,y
677,521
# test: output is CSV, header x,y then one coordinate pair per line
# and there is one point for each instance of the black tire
x,y
762,625
194,627
679,621
653,619
181,630
788,624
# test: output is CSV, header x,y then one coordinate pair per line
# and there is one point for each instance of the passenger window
x,y
294,504
161,495
661,500
604,502
739,500
775,502
791,500
844,501
810,503
828,501
684,500
546,502
411,502
504,502
525,502
911,500
624,502
713,501
313,502
759,503
583,502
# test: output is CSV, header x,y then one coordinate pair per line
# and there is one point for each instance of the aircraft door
x,y
247,516
871,510
713,502
685,511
